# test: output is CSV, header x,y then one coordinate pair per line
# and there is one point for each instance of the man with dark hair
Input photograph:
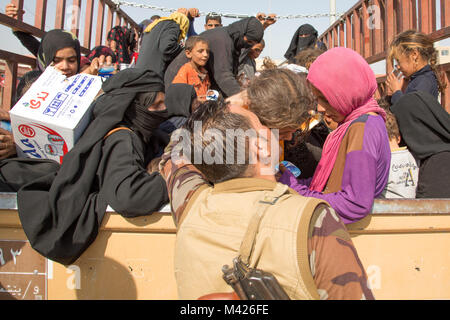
x,y
212,21
219,181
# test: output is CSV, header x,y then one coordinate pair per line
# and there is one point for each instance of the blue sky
x,y
277,36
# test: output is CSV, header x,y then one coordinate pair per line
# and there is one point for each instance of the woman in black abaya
x,y
304,37
61,212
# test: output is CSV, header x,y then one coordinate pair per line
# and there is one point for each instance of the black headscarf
x,y
424,125
249,27
61,212
142,120
125,39
300,43
179,97
53,41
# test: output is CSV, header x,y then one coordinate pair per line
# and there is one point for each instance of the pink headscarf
x,y
348,83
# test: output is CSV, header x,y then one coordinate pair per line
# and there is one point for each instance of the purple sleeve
x,y
354,201
365,175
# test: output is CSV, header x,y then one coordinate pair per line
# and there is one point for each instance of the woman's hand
x,y
93,67
393,84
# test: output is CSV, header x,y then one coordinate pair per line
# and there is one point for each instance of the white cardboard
x,y
50,117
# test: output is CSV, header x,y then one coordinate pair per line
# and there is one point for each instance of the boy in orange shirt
x,y
194,71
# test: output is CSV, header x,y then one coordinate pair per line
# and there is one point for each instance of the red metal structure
x,y
370,25
94,28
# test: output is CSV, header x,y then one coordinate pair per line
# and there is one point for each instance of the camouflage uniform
x,y
335,266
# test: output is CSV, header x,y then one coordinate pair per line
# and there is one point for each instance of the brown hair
x,y
280,98
410,40
307,56
215,115
268,64
192,41
392,126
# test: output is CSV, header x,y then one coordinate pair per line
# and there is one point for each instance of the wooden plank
x,y
378,31
76,14
357,31
109,23
341,35
335,37
389,31
348,31
13,57
19,5
118,19
40,14
366,44
445,13
100,20
88,23
19,25
405,16
60,13
427,14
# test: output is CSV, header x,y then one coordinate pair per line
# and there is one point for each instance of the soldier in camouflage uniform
x,y
312,257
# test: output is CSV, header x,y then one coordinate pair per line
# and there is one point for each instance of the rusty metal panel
x,y
367,49
427,16
389,31
357,31
100,20
40,14
406,10
75,23
88,23
445,13
23,271
60,13
109,24
341,35
348,31
19,5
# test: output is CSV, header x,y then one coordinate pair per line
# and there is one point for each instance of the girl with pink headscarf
x,y
354,166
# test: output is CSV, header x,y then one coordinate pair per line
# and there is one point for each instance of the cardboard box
x,y
50,117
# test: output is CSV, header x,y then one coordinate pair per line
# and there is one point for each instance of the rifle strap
x,y
248,242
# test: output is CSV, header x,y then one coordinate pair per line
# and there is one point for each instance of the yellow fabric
x,y
215,224
179,18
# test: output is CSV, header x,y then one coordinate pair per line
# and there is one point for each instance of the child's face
x,y
199,55
256,50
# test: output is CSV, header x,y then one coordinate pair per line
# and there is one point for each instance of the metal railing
x,y
370,26
94,28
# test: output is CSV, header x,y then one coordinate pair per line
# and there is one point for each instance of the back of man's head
x,y
220,142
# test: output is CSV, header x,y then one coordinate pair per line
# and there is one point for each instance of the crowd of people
x,y
171,89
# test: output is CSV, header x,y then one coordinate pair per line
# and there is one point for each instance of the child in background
x,y
416,58
404,171
194,71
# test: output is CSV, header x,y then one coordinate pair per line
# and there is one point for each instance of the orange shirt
x,y
187,74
